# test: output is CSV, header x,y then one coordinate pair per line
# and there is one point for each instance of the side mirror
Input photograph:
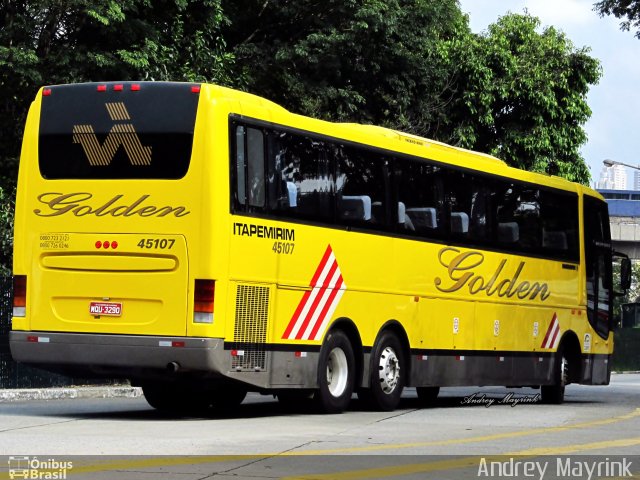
x,y
625,274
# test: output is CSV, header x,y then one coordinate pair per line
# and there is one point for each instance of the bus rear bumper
x,y
125,356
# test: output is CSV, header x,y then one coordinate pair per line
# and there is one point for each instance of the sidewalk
x,y
110,391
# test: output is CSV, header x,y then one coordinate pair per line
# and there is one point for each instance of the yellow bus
x,y
204,242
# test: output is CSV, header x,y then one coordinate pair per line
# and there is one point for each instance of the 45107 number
x,y
284,248
161,243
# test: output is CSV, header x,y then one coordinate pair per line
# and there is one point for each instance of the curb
x,y
26,394
118,391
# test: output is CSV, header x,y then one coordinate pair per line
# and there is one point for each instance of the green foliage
x,y
412,65
368,61
7,205
629,10
46,42
523,96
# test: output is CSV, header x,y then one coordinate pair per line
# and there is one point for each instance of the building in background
x,y
614,177
624,219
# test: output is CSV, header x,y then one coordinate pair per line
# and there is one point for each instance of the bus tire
x,y
427,396
293,397
388,372
166,399
554,394
336,373
229,397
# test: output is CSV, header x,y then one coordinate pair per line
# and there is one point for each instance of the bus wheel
x,y
387,374
554,394
427,395
166,399
336,372
292,397
228,397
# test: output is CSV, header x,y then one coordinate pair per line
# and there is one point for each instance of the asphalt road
x,y
263,439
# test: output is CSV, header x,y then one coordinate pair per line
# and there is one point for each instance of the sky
x,y
614,128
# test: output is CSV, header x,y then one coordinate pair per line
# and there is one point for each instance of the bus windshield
x,y
117,131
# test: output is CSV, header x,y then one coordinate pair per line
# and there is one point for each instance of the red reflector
x,y
118,88
105,245
234,353
19,290
114,245
46,92
98,244
204,296
102,88
32,339
195,89
135,87
177,344
203,307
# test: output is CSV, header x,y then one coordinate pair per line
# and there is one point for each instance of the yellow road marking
x,y
458,441
385,471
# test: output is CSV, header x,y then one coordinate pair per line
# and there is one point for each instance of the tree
x,y
626,9
7,206
367,61
414,65
411,65
522,96
46,42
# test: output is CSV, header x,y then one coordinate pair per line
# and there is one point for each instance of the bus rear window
x,y
117,130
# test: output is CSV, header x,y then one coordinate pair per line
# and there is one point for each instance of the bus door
x,y
598,264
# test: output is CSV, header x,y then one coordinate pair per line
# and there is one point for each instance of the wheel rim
x,y
337,372
388,370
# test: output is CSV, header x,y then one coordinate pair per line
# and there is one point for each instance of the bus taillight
x,y
19,295
203,301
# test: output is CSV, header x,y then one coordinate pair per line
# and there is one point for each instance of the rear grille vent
x,y
250,332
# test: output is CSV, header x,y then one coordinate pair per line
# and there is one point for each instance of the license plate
x,y
104,308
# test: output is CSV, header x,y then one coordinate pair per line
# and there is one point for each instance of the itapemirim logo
x,y
120,134
33,468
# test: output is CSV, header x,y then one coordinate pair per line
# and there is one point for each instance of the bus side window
x,y
255,167
362,188
240,166
420,192
300,180
459,197
249,165
559,224
518,216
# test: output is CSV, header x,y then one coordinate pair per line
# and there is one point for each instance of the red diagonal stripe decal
x,y
551,335
318,304
323,262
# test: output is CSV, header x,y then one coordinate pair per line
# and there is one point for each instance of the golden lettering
x,y
77,204
460,269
